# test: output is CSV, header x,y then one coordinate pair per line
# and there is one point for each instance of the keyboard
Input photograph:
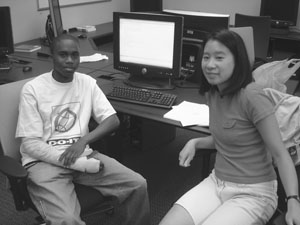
x,y
142,96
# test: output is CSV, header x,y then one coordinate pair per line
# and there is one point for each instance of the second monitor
x,y
6,38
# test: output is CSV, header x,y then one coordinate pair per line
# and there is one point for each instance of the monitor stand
x,y
150,83
186,84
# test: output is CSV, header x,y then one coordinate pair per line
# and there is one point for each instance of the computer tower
x,y
191,60
145,5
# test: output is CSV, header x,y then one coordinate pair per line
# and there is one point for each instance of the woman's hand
x,y
293,214
187,154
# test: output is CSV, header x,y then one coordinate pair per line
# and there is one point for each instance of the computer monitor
x,y
283,14
148,46
145,5
197,26
54,25
6,34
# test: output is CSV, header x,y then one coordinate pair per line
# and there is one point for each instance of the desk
x,y
292,35
154,126
38,67
88,46
285,45
153,113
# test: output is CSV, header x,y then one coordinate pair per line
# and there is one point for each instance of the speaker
x,y
145,5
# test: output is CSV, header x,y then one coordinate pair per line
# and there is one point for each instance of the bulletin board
x,y
43,4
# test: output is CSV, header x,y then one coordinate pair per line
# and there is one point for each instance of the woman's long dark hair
x,y
242,74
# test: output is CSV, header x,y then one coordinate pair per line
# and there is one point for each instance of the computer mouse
x,y
82,36
27,69
106,77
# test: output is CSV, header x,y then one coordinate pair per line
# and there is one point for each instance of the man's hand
x,y
69,156
95,155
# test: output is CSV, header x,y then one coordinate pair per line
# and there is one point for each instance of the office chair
x,y
92,202
279,216
246,34
261,31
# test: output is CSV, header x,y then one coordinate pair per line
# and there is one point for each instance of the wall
x,y
250,7
28,23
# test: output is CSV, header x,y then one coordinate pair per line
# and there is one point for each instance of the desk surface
x,y
291,35
87,45
154,113
38,67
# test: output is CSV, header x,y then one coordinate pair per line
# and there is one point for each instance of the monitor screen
x,y
6,34
54,25
283,13
148,46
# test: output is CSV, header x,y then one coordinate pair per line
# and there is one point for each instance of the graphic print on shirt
x,y
65,126
65,120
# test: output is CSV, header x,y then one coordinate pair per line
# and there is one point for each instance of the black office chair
x,y
279,216
261,30
92,202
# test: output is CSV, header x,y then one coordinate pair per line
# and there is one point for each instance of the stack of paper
x,y
86,28
93,58
26,48
189,113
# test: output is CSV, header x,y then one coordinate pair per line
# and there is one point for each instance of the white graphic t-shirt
x,y
59,113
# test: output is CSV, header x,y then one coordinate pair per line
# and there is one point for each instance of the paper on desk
x,y
93,58
189,113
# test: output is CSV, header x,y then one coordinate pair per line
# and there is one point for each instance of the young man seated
x,y
54,113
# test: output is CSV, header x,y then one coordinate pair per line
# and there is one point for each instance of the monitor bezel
x,y
137,70
56,18
9,45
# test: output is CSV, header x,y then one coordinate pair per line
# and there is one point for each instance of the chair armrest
x,y
17,176
279,220
206,160
11,167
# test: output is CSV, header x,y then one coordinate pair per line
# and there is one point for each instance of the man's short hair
x,y
61,37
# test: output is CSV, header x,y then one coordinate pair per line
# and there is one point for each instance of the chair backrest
x,y
261,31
9,102
246,34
